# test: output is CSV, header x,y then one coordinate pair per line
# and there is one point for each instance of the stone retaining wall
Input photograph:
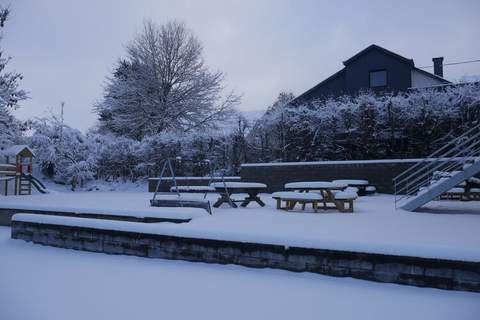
x,y
435,273
378,173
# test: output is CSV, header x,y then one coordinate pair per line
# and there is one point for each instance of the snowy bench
x,y
369,190
462,193
182,201
343,198
291,198
475,193
454,193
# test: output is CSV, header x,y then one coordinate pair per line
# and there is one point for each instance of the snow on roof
x,y
16,149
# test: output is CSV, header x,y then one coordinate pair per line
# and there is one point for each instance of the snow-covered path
x,y
45,283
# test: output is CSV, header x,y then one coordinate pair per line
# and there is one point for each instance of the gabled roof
x,y
333,76
15,150
364,51
383,50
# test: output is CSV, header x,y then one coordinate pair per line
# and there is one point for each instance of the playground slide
x,y
36,183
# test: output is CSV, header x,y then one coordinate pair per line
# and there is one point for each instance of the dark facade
x,y
377,69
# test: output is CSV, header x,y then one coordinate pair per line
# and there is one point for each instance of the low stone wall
x,y
379,173
435,273
167,182
7,214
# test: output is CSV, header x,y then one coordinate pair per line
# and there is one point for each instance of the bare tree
x,y
163,85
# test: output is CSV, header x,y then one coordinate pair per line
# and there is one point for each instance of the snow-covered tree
x,y
63,153
163,85
10,93
270,134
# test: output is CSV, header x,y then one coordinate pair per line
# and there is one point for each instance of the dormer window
x,y
378,78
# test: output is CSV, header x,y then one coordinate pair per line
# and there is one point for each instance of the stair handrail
x,y
420,181
462,151
456,157
432,155
472,155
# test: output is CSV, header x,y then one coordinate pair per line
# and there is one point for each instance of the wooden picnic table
x,y
228,188
326,188
361,185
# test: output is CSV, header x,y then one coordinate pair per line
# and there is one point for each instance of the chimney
x,y
438,66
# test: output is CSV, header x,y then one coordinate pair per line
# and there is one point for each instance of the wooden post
x,y
17,176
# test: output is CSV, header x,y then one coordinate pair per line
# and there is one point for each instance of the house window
x,y
378,78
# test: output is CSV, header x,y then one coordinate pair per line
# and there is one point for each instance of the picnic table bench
x,y
292,198
226,189
332,192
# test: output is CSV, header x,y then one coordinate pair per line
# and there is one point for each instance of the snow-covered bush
x,y
63,153
366,126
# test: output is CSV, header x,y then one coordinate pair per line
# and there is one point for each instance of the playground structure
x,y
174,198
17,169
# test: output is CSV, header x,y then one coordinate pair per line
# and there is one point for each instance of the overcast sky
x,y
66,48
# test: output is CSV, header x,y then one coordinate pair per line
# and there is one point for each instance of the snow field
x,y
46,283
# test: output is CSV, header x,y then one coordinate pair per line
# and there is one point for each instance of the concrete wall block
x,y
118,239
135,249
439,272
189,256
112,247
229,251
366,274
304,259
337,271
75,244
39,237
168,245
146,241
395,267
22,235
268,255
212,257
466,286
317,268
55,240
466,276
351,263
26,227
159,252
385,276
251,262
86,235
225,258
94,245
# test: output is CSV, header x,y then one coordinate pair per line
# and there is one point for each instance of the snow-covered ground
x,y
45,283
374,227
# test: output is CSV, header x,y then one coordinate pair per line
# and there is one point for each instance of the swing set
x,y
174,198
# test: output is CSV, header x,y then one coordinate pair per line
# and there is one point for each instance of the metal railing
x,y
451,157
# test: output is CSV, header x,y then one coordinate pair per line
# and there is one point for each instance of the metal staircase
x,y
455,162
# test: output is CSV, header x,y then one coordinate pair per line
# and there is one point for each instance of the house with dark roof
x,y
377,69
